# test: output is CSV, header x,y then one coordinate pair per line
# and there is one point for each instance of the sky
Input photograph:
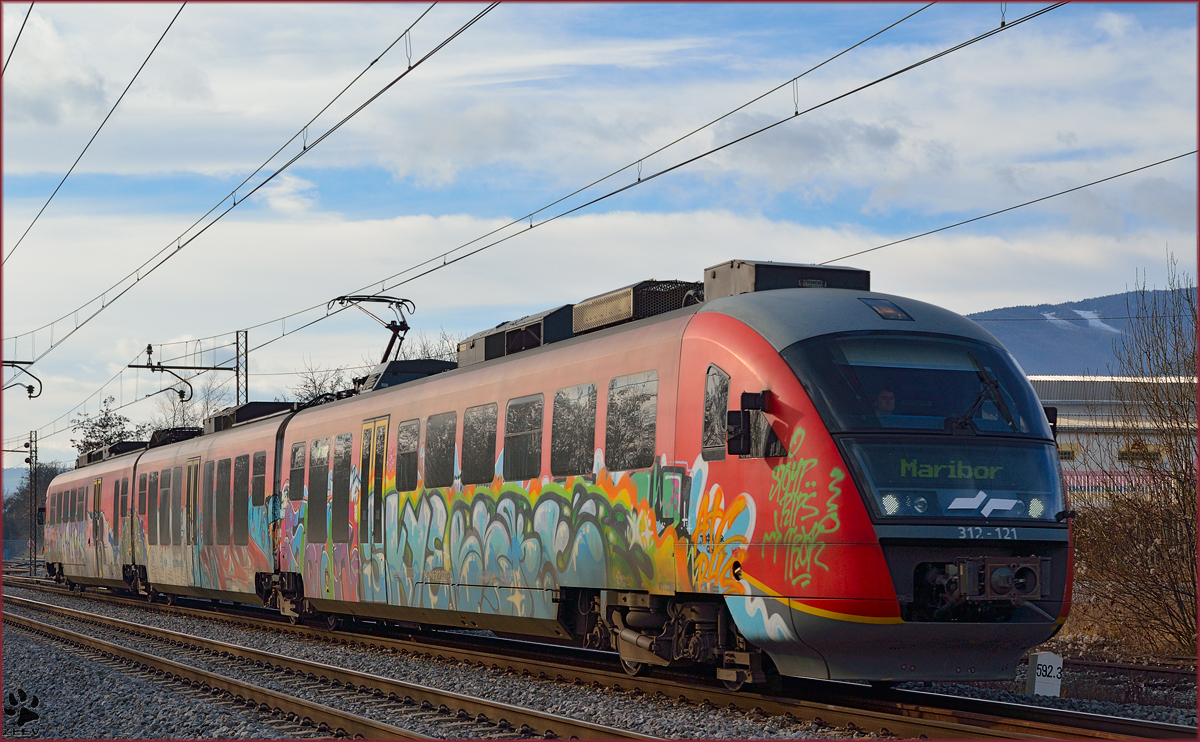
x,y
529,104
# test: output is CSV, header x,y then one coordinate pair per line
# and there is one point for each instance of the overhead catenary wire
x,y
638,161
307,324
405,35
443,256
97,132
122,286
933,231
1010,208
14,46
382,283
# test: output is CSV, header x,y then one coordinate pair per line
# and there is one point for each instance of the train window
x,y
210,468
53,507
142,495
318,491
124,497
177,506
905,382
258,479
573,431
164,507
440,432
377,473
370,499
632,413
152,510
364,519
343,451
241,500
77,504
716,407
116,503
479,444
296,477
408,436
190,497
221,502
523,438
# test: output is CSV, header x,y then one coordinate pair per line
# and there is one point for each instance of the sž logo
x,y
973,503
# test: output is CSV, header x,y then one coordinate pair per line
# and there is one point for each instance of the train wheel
x,y
169,598
333,622
294,620
633,669
733,685
150,596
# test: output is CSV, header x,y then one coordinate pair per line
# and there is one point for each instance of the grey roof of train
x,y
786,316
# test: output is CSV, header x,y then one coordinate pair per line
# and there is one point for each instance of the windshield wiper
x,y
989,388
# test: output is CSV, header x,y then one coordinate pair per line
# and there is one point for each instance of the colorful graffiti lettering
x,y
800,522
720,535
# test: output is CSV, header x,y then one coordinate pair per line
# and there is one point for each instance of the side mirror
x,y
737,436
41,516
1052,418
756,400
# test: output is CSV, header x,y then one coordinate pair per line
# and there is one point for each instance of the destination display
x,y
936,480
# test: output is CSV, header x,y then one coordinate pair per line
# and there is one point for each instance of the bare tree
x,y
1136,533
316,381
442,347
209,396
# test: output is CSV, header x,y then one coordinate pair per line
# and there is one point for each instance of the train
x,y
773,471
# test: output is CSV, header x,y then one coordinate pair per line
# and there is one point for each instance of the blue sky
x,y
535,101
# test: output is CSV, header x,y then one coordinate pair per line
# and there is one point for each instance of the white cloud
x,y
288,194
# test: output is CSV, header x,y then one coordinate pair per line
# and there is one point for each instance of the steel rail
x,y
954,718
506,714
251,695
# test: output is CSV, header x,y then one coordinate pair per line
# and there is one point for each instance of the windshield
x,y
973,479
874,381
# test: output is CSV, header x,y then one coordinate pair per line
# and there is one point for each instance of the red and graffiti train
x,y
777,471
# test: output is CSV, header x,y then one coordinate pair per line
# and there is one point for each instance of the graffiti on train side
x,y
500,548
720,534
805,514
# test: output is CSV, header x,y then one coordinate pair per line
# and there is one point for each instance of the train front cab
x,y
906,512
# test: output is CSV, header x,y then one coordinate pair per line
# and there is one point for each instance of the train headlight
x,y
920,504
891,504
1036,508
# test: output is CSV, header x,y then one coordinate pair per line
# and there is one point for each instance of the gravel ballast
x,y
81,698
629,710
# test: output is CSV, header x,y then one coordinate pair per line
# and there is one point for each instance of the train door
x,y
370,510
97,534
191,495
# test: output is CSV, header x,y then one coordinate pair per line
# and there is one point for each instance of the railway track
x,y
460,715
851,706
